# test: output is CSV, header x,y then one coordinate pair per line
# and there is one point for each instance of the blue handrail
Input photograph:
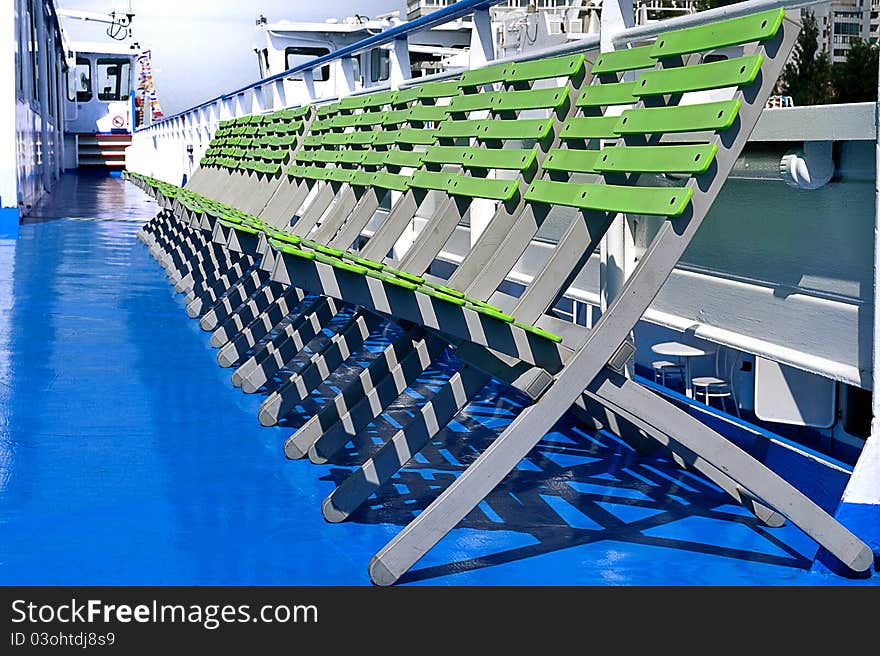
x,y
459,9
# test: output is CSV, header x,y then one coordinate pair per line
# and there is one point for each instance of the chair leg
x,y
490,468
351,393
381,395
431,418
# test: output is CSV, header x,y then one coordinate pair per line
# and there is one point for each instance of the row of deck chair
x,y
303,217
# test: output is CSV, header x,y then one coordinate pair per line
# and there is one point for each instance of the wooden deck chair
x,y
589,363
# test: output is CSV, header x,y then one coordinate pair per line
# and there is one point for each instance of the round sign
x,y
118,121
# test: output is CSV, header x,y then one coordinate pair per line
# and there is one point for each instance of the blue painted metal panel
x,y
126,456
9,219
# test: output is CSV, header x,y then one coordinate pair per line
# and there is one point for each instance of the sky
x,y
202,48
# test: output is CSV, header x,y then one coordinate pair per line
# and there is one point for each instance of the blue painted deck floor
x,y
127,457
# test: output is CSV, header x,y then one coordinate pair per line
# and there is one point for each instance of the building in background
x,y
843,20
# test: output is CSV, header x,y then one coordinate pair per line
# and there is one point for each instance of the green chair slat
x,y
384,138
344,121
341,264
321,248
352,102
459,129
439,89
589,127
368,119
289,249
295,113
529,99
392,280
657,159
391,181
340,175
472,102
312,140
492,312
721,34
604,95
351,156
511,159
361,138
291,128
404,275
682,118
305,156
658,201
379,99
571,161
408,158
362,179
396,117
534,128
487,75
736,72
542,69
446,154
322,124
374,158
443,289
425,113
285,237
334,139
433,180
503,190
625,59
308,172
539,332
361,261
325,156
415,136
436,293
325,111
406,96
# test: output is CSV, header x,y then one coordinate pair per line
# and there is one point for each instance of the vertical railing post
x,y
9,213
617,246
482,49
345,74
43,92
399,64
309,79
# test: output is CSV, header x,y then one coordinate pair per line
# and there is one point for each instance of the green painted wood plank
x,y
536,128
589,127
478,77
658,201
542,69
657,159
504,101
425,113
503,190
682,118
433,180
459,129
720,34
604,95
403,158
736,72
571,161
393,181
625,59
472,102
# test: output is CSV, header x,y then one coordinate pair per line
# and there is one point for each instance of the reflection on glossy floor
x,y
127,457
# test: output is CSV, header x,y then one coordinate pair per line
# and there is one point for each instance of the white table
x,y
685,352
